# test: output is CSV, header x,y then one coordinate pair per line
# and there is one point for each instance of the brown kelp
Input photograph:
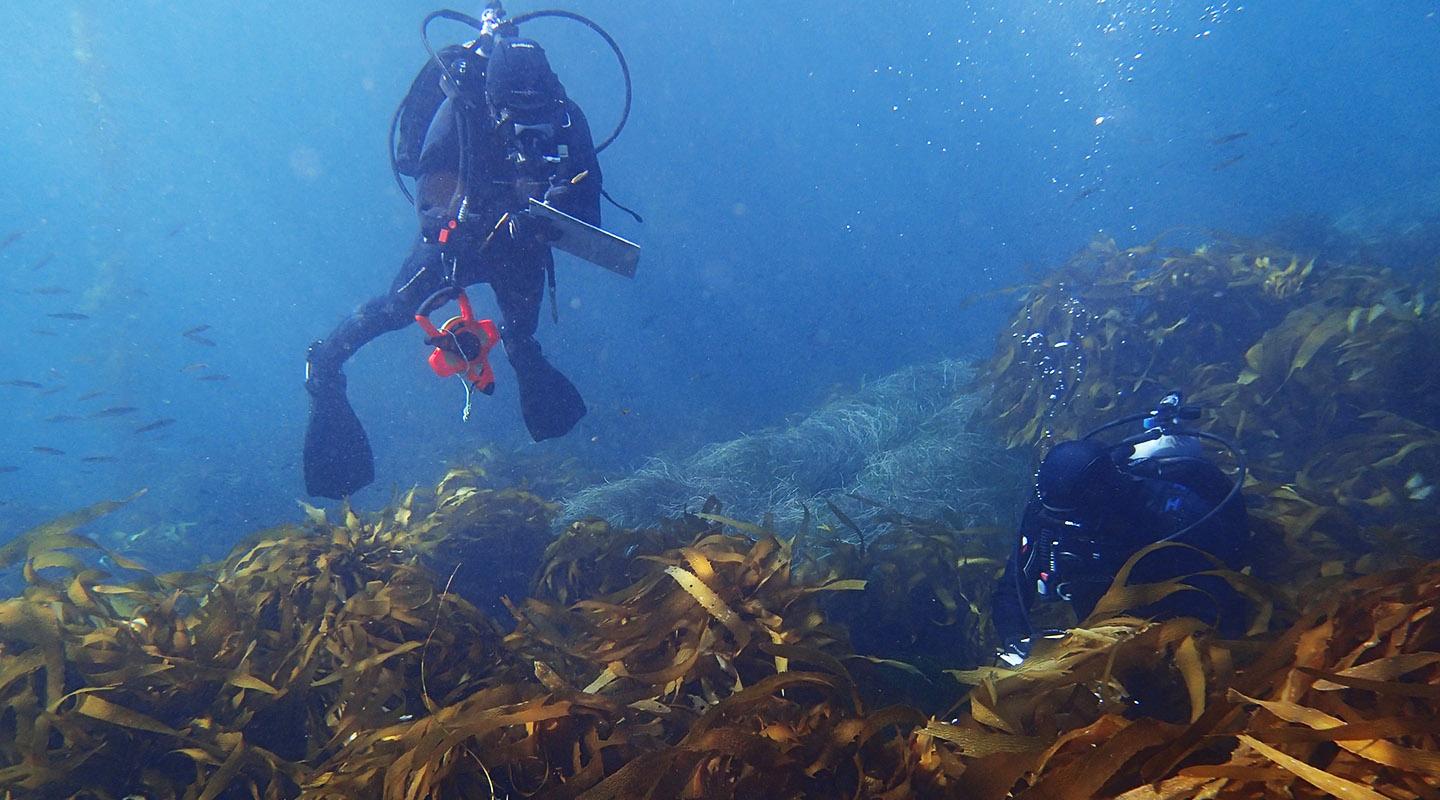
x,y
224,680
927,597
324,660
1341,704
360,655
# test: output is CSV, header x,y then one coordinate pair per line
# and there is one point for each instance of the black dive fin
x,y
338,461
549,402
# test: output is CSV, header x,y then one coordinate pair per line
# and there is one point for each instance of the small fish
x,y
201,340
24,384
98,459
114,411
6,469
50,291
42,332
56,389
89,396
175,230
11,239
45,259
1085,192
196,367
61,418
218,376
49,451
195,330
72,315
156,425
1230,137
1227,163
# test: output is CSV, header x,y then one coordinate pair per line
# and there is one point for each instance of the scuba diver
x,y
1098,504
490,137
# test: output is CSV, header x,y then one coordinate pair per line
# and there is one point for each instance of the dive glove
x,y
526,227
1013,653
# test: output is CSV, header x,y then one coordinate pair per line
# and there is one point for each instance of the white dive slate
x,y
580,238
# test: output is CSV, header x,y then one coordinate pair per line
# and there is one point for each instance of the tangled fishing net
x,y
909,442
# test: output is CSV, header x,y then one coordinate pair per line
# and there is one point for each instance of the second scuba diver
x,y
1098,504
505,133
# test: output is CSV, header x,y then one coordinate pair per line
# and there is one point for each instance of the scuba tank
x,y
1166,435
459,71
1064,544
413,116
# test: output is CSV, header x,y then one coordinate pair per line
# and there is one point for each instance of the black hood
x,y
1078,475
519,78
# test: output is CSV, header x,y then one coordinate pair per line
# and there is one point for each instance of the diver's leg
x,y
419,277
337,456
519,290
549,402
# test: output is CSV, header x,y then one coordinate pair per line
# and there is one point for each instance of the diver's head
x,y
1079,476
520,84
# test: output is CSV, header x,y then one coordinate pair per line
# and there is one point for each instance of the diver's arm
x,y
1008,607
575,189
1015,593
439,164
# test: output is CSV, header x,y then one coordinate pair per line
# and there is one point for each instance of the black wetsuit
x,y
515,266
1158,498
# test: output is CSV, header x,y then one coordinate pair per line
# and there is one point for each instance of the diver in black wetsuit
x,y
506,133
1096,505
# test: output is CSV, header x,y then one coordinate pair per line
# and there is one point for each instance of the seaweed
x,y
225,680
708,672
926,604
710,656
1320,703
325,660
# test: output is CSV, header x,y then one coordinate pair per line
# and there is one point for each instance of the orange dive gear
x,y
462,345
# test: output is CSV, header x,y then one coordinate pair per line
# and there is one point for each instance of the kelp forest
x,y
710,654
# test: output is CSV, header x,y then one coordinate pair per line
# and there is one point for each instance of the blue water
x,y
824,186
